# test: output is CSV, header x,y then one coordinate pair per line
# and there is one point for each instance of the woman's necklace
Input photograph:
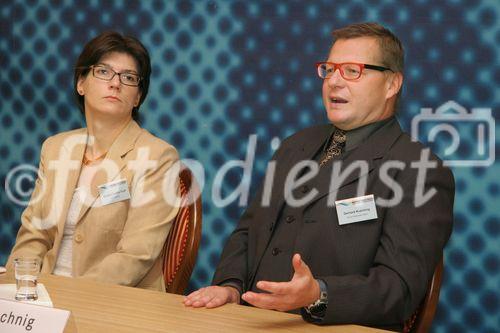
x,y
87,161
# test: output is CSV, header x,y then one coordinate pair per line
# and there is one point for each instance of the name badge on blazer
x,y
356,209
114,192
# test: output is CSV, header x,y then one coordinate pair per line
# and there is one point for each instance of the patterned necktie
x,y
336,145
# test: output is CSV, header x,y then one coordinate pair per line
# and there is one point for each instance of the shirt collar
x,y
358,135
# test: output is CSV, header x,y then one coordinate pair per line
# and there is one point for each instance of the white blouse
x,y
64,263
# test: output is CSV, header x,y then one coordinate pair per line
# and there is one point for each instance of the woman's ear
x,y
79,86
138,99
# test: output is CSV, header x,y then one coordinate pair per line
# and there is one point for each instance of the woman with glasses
x,y
106,194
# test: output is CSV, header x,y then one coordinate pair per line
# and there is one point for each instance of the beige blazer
x,y
118,243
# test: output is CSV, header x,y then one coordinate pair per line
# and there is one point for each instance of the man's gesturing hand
x,y
212,297
301,291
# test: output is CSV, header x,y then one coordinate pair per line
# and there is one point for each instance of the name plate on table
x,y
17,317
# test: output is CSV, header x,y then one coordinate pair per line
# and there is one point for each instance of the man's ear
x,y
394,84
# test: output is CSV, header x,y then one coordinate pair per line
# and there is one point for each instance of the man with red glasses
x,y
355,219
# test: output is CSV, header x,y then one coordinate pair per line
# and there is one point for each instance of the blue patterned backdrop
x,y
224,70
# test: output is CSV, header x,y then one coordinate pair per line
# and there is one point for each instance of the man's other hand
x,y
301,291
212,297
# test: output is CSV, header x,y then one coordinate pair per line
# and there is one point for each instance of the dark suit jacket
x,y
377,271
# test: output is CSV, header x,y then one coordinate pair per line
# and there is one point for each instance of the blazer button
x,y
78,238
276,251
289,219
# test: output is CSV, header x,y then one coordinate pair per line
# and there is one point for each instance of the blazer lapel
x,y
113,164
70,154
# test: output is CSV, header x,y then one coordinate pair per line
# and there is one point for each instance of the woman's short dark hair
x,y
108,42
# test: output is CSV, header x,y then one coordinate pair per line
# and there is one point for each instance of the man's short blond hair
x,y
391,49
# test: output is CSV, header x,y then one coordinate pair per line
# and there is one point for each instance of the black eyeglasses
x,y
105,73
348,70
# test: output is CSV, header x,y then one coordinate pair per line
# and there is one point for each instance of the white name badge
x,y
114,192
356,209
17,317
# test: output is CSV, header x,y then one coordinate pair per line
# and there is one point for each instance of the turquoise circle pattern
x,y
224,70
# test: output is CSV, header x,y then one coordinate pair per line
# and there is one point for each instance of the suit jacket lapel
x,y
113,164
305,150
375,148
